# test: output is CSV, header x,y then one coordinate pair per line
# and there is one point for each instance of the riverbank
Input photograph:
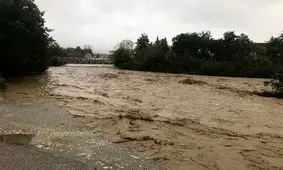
x,y
34,136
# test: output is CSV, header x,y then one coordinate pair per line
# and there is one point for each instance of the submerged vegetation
x,y
3,85
277,83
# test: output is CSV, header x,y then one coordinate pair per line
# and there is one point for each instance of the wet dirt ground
x,y
179,121
43,136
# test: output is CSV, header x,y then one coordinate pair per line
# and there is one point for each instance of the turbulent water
x,y
179,121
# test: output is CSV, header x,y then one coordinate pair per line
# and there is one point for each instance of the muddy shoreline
x,y
41,136
179,121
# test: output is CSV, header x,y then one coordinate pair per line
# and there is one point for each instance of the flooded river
x,y
179,121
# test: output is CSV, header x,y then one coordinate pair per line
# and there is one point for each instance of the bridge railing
x,y
79,60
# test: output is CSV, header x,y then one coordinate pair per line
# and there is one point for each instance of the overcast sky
x,y
103,23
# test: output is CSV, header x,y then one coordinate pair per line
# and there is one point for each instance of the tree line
x,y
56,52
199,53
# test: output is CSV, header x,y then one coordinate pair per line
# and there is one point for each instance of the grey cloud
x,y
103,23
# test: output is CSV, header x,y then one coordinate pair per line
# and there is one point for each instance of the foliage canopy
x,y
24,38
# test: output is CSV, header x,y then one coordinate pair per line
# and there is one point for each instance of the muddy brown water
x,y
179,121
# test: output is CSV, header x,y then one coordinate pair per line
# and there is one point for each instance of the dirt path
x,y
180,121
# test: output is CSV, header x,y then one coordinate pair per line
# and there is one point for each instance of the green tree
x,y
164,45
123,55
78,51
24,38
142,49
55,53
157,56
142,42
159,48
191,44
55,50
192,49
274,49
233,47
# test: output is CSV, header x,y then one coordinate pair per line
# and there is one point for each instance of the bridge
x,y
80,60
